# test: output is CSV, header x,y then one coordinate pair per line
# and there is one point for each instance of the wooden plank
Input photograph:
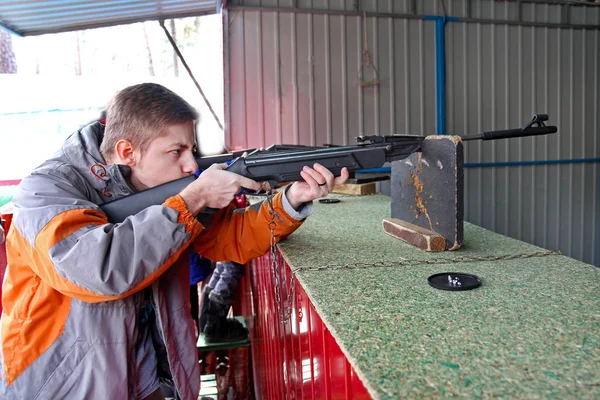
x,y
415,235
355,189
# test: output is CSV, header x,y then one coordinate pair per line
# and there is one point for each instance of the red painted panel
x,y
336,366
11,182
319,367
2,268
297,358
7,219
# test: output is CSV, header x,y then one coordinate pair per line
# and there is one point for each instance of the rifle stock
x,y
117,210
285,166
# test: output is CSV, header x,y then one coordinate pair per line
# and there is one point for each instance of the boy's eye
x,y
176,152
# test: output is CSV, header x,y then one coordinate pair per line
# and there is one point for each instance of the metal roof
x,y
38,17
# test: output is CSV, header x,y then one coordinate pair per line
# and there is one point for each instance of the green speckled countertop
x,y
532,330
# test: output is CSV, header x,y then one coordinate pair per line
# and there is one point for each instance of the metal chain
x,y
406,262
278,270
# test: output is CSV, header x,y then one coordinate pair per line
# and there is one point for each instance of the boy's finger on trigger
x,y
248,183
343,176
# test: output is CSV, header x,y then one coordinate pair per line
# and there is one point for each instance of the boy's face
x,y
168,157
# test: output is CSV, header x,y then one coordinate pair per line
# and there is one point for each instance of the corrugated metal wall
x,y
293,79
503,74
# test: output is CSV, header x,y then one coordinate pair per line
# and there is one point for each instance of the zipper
x,y
167,380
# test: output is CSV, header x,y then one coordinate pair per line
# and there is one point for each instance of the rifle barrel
x,y
511,133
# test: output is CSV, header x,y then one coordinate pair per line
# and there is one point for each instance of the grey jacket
x,y
73,282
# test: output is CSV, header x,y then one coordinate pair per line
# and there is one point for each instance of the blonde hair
x,y
139,114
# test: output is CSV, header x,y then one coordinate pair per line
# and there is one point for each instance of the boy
x,y
101,311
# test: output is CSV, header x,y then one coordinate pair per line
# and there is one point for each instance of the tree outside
x,y
62,81
8,62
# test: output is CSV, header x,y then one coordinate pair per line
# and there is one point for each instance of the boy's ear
x,y
124,153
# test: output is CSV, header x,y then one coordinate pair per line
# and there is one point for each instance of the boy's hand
x,y
318,182
215,188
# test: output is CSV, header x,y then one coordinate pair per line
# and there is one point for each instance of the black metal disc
x,y
454,281
329,201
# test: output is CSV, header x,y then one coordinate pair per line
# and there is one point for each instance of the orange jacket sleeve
x,y
240,235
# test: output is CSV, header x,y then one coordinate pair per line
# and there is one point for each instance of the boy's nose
x,y
189,165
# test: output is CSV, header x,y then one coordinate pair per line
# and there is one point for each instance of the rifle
x,y
283,163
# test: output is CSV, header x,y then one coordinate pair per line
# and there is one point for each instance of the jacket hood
x,y
82,151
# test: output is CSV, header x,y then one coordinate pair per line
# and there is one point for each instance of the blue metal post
x,y
440,75
503,164
440,70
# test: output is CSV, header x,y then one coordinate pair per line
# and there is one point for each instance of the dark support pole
x,y
174,44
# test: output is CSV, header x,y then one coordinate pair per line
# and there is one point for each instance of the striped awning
x,y
38,17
